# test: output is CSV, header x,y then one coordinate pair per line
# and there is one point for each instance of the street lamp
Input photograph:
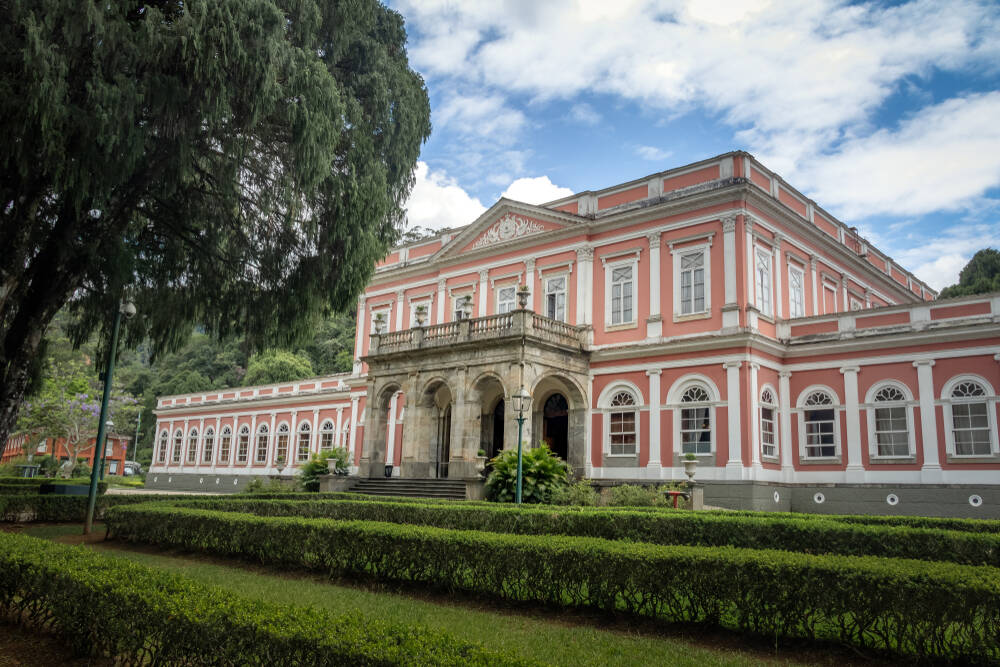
x,y
126,308
521,401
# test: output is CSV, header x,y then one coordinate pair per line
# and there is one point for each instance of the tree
x,y
277,366
239,164
980,276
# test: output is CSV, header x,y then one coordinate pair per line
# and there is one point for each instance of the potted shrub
x,y
522,296
481,461
279,463
690,465
379,322
421,314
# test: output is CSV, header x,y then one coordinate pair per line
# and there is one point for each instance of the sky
x,y
886,114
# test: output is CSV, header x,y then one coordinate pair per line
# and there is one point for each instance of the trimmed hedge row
x,y
759,531
29,489
904,606
44,480
137,615
56,508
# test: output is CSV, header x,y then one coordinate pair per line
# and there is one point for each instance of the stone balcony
x,y
535,329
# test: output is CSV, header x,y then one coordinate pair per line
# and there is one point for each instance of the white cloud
x,y
486,116
652,153
585,114
537,190
438,202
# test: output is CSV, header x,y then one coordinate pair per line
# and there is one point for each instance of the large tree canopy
x,y
980,276
240,164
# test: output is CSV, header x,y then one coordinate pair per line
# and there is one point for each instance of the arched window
x,y
164,438
206,455
263,440
622,421
225,445
768,439
970,422
192,455
326,435
696,421
243,446
892,429
281,450
305,437
820,416
178,446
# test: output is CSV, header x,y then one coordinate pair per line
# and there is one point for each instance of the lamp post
x,y
522,401
126,308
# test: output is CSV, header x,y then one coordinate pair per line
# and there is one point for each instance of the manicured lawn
x,y
552,636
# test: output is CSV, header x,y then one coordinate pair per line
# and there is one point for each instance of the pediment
x,y
506,223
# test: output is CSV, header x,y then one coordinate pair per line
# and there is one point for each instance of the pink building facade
x,y
710,309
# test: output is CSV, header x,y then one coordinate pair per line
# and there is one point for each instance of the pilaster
x,y
655,458
734,466
785,427
654,325
852,413
930,471
730,309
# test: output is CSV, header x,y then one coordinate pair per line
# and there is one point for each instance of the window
x,y
163,447
892,433
326,435
262,443
506,299
696,422
462,306
796,292
243,446
178,446
820,415
192,454
970,420
763,281
856,305
206,456
622,424
555,298
305,436
380,320
768,445
692,283
113,468
622,294
281,449
225,443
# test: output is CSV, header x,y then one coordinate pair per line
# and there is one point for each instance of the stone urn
x,y
522,296
690,466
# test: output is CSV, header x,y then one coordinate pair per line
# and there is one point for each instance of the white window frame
x,y
385,310
191,451
908,404
262,430
763,295
428,303
208,445
604,406
499,303
285,431
327,429
177,455
227,432
990,399
792,293
632,262
706,261
456,314
802,408
674,396
244,430
775,422
164,445
565,293
305,429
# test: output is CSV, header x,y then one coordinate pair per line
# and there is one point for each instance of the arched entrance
x,y
381,432
489,394
431,435
555,425
443,443
496,443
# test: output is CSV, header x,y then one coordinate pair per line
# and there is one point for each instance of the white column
x,y
340,424
730,309
529,280
314,436
655,457
585,286
218,439
483,294
734,466
440,302
855,468
784,399
815,287
400,305
251,442
354,431
748,225
200,452
359,336
776,263
184,445
754,426
588,462
931,469
271,439
846,304
654,325
390,448
293,441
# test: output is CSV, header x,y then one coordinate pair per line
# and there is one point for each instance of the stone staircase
x,y
453,489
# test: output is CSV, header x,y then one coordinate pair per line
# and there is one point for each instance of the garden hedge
x,y
105,606
908,607
56,508
18,487
760,531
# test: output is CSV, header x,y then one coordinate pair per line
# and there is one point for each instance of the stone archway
x,y
489,393
376,434
559,414
429,442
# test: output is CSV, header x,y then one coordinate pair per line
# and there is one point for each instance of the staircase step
x,y
411,488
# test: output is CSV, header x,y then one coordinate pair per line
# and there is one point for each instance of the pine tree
x,y
241,164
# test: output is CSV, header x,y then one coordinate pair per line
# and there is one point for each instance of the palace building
x,y
710,309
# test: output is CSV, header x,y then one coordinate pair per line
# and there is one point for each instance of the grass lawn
x,y
557,637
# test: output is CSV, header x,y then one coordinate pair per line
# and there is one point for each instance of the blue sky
x,y
887,114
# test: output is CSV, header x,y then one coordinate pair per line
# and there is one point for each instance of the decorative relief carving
x,y
585,253
728,223
508,228
654,239
484,275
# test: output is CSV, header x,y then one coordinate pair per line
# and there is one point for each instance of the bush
x,y
634,495
52,508
271,486
542,472
21,486
317,466
105,606
581,493
905,606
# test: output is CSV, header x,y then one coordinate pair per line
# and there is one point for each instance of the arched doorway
x,y
496,441
555,425
443,442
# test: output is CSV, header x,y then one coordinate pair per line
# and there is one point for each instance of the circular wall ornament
x,y
777,496
976,500
892,499
819,498
156,478
169,479
201,480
